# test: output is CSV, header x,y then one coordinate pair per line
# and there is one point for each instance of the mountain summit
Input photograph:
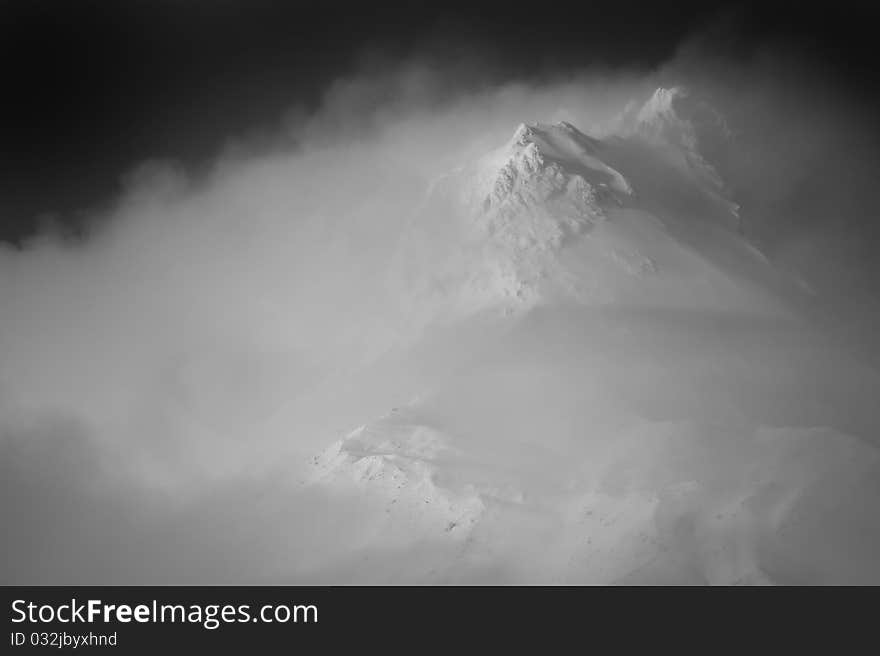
x,y
693,133
527,222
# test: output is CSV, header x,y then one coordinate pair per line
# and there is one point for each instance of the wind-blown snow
x,y
642,402
542,353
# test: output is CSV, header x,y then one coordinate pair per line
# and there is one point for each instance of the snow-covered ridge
x,y
493,232
658,504
678,117
562,146
691,128
399,461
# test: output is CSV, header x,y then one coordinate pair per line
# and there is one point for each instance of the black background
x,y
551,620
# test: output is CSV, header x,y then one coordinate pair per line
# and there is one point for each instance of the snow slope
x,y
609,384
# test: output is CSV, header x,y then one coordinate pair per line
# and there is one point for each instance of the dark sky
x,y
90,88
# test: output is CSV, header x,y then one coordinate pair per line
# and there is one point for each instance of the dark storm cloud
x,y
94,87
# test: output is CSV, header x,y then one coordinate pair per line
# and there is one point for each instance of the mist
x,y
167,375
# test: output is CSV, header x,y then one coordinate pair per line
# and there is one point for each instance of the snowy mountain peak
x,y
680,118
490,231
675,116
511,227
662,102
541,162
521,135
693,135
